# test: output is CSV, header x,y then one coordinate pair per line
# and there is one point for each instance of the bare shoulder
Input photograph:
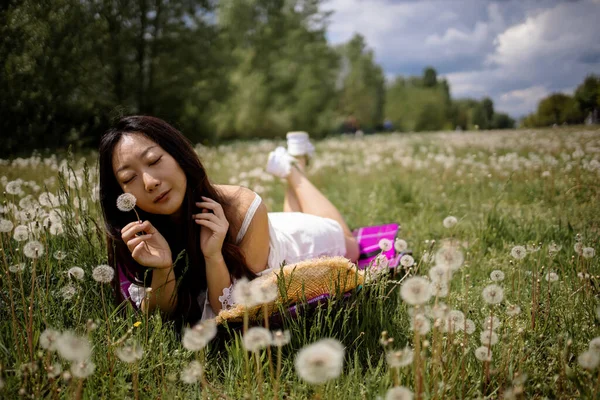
x,y
238,196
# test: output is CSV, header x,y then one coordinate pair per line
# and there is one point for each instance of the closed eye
x,y
129,180
156,162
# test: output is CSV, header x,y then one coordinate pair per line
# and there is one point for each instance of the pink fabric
x,y
368,239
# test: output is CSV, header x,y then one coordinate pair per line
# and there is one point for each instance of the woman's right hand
x,y
150,249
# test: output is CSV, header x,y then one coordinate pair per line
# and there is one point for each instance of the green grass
x,y
416,180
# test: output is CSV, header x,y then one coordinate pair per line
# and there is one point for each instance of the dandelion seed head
x,y
399,393
421,324
246,293
518,252
400,245
126,202
407,261
439,289
497,276
103,273
48,339
469,326
553,248
59,255
16,268
192,372
385,244
68,291
589,360
73,347
14,187
280,338
54,370
76,272
130,353
493,294
513,309
578,247
415,291
197,337
33,249
450,222
483,353
267,293
21,233
457,318
399,358
82,369
488,338
491,323
551,277
450,257
320,362
588,252
440,273
257,338
5,225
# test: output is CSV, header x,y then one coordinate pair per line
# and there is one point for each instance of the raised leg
x,y
312,201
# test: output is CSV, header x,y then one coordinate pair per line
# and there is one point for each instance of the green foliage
x,y
430,77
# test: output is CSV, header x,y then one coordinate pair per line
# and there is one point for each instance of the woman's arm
x,y
217,278
163,294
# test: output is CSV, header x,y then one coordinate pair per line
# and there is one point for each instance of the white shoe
x,y
280,162
298,144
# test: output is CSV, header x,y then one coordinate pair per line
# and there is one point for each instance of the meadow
x,y
502,300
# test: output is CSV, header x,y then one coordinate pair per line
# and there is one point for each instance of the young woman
x,y
196,238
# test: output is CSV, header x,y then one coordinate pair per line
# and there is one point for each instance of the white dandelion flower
x,y
595,344
439,289
399,358
407,261
47,199
551,277
14,187
385,244
518,252
103,273
400,245
492,323
440,311
320,362
497,276
21,233
33,249
488,338
267,293
578,247
257,338
399,393
450,222
130,353
83,368
68,291
126,202
54,370
415,291
450,257
73,347
469,326
59,255
76,272
588,252
192,372
280,338
16,268
6,225
421,324
589,359
440,273
483,353
533,248
554,248
513,310
493,294
246,293
457,318
57,229
48,339
197,337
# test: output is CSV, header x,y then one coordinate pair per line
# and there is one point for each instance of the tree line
x,y
217,70
561,109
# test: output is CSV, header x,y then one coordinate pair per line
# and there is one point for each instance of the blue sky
x,y
515,51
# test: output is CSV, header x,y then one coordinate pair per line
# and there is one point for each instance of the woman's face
x,y
148,172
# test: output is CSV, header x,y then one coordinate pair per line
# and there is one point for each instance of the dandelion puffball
x,y
400,245
192,373
103,273
450,257
76,272
280,338
483,353
385,244
415,291
399,358
82,369
126,202
33,249
493,294
518,252
588,252
449,222
320,362
399,393
197,337
497,276
589,360
130,353
72,347
257,338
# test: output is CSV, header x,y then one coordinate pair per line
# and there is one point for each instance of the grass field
x,y
535,189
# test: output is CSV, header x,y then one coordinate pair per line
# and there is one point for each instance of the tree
x,y
480,116
558,108
502,121
587,94
429,77
488,106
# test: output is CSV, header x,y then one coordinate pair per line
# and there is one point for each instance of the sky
x,y
514,51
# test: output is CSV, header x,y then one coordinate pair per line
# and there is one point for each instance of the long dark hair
x,y
190,270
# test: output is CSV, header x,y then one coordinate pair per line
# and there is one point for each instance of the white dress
x,y
293,237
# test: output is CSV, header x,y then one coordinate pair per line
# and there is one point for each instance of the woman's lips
x,y
162,196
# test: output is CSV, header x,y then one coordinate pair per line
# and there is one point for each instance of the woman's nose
x,y
150,182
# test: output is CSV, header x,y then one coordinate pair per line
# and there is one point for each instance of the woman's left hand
x,y
214,227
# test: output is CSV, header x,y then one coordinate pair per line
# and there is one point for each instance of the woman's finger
x,y
209,224
208,216
136,240
132,230
138,250
128,226
212,205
